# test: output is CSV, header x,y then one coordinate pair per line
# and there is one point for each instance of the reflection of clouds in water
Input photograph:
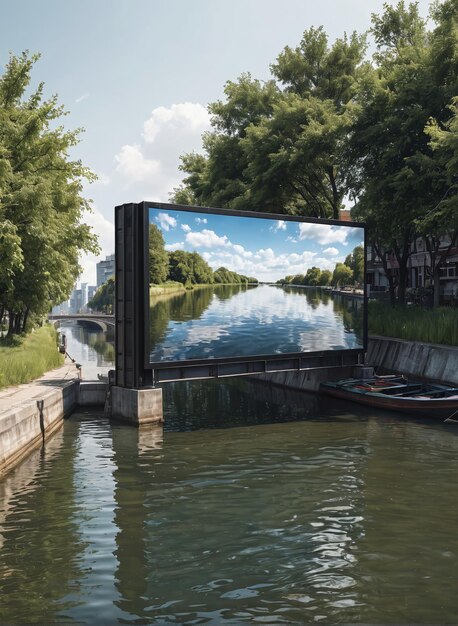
x,y
204,334
262,320
267,305
334,338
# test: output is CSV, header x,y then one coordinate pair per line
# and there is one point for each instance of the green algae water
x,y
253,505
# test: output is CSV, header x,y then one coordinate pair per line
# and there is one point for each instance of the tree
x,y
342,275
295,156
395,177
441,223
41,202
313,277
281,150
202,273
158,256
180,267
11,262
103,299
326,278
218,177
355,261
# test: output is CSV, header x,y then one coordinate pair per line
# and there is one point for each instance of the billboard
x,y
234,286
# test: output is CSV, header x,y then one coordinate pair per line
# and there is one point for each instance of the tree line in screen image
x,y
350,272
187,268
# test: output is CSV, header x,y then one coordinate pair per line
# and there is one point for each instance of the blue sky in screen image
x,y
266,249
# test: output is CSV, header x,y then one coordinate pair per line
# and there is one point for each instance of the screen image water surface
x,y
225,286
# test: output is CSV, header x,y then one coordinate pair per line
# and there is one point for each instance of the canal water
x,y
253,505
233,320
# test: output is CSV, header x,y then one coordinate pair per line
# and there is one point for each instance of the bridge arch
x,y
104,323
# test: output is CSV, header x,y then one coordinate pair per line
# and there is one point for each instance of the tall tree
x,y
217,178
277,146
103,299
392,176
40,197
158,256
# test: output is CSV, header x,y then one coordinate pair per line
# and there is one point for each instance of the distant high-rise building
x,y
91,291
76,301
105,269
84,297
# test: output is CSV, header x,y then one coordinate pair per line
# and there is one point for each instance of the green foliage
x,y
224,276
25,358
326,278
332,125
280,149
399,183
41,202
313,277
342,275
414,324
158,257
103,299
355,261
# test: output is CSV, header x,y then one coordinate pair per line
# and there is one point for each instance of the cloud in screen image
x,y
215,287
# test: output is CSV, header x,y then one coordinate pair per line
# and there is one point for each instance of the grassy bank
x,y
23,359
414,324
166,288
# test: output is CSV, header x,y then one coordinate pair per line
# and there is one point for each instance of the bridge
x,y
104,322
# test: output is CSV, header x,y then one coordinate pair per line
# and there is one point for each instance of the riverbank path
x,y
28,392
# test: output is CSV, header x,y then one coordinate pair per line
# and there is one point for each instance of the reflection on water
x,y
90,347
232,320
235,514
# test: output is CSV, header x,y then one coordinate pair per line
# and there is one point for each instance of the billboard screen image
x,y
226,286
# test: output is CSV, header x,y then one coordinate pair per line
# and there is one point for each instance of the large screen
x,y
224,285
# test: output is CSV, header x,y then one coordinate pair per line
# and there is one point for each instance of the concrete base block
x,y
92,393
137,406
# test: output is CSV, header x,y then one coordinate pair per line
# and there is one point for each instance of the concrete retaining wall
x,y
306,380
420,360
417,360
26,426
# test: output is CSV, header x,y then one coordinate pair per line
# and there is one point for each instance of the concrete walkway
x,y
14,397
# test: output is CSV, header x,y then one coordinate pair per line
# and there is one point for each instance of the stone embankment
x,y
30,413
435,363
418,360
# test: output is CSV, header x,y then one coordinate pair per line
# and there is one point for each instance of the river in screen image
x,y
233,320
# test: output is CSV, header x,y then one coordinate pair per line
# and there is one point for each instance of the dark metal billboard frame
x,y
132,311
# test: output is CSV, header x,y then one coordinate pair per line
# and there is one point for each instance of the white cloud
x,y
170,247
279,225
166,221
201,220
135,166
84,96
206,239
147,168
184,117
331,252
323,233
186,228
292,239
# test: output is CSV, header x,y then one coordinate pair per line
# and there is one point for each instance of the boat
x,y
396,393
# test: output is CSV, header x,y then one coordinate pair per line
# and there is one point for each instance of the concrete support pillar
x,y
136,406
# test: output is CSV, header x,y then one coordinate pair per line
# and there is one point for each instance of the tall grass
x,y
23,359
411,323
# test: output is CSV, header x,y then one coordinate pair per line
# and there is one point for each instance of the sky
x,y
266,249
138,76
